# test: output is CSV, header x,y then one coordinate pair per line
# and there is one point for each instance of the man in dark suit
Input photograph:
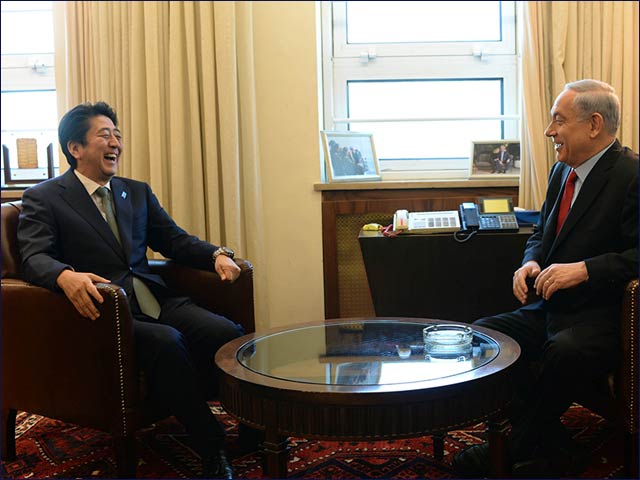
x,y
502,161
582,253
88,226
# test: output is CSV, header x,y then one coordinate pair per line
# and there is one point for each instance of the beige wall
x,y
287,78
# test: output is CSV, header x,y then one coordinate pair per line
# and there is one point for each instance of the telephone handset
x,y
490,215
401,220
469,216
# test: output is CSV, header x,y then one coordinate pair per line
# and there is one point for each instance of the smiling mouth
x,y
111,157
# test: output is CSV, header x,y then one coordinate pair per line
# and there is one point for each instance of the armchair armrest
x,y
233,300
628,373
59,364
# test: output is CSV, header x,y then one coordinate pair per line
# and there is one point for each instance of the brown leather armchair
x,y
58,364
616,396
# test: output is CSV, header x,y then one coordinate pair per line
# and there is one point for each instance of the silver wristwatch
x,y
227,252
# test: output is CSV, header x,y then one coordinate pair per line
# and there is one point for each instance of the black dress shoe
x,y
540,467
569,461
472,462
216,465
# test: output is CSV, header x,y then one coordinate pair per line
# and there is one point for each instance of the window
x,y
426,78
28,103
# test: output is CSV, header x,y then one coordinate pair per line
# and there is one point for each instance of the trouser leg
x,y
162,353
565,361
204,332
177,353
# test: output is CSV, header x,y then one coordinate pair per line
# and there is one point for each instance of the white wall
x,y
287,78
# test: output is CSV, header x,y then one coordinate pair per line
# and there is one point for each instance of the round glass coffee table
x,y
366,379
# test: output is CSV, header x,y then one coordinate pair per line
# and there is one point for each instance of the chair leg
x,y
126,459
631,455
438,446
250,438
8,426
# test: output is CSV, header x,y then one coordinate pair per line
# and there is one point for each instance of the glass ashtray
x,y
445,341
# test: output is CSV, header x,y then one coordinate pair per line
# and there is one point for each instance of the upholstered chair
x,y
59,365
615,397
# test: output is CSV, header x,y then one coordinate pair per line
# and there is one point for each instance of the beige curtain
x,y
180,75
564,42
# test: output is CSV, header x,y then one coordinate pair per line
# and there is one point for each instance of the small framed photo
x,y
350,157
495,159
358,373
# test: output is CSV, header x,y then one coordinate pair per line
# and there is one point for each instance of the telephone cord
x,y
388,231
468,234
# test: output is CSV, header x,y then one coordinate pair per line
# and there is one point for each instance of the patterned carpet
x,y
52,449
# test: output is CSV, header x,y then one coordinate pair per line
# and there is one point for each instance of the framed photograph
x,y
495,159
350,157
358,373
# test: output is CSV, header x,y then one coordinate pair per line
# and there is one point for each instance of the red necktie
x,y
565,203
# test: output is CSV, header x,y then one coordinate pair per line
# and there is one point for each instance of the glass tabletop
x,y
369,352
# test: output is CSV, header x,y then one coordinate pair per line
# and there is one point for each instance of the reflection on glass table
x,y
371,352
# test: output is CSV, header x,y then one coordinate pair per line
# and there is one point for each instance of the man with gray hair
x,y
582,253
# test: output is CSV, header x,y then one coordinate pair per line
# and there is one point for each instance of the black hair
x,y
75,124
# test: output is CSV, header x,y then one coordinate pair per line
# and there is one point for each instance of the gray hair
x,y
594,96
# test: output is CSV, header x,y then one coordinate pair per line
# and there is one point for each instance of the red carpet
x,y
51,449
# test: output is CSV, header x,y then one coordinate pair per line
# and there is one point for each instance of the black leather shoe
x,y
216,465
569,461
540,467
472,462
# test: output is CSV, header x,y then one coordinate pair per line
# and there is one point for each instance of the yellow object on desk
x,y
372,227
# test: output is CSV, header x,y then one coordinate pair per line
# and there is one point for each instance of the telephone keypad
x,y
498,222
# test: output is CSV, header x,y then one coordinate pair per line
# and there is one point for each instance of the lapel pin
x,y
124,195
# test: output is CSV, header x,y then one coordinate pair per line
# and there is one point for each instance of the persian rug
x,y
52,449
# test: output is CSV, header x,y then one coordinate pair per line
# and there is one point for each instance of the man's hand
x,y
559,276
227,268
531,269
80,289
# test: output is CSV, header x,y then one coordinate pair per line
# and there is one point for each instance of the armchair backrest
x,y
11,260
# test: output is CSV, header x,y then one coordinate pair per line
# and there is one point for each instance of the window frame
x,y
429,61
506,46
24,73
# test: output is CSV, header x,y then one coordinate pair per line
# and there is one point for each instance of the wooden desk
x,y
11,195
434,276
346,209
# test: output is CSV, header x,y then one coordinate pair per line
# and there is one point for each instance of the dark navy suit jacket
x,y
60,227
601,229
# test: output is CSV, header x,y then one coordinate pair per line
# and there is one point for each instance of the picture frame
x,y
350,157
358,373
488,161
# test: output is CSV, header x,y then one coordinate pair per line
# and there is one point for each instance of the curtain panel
x,y
180,76
564,42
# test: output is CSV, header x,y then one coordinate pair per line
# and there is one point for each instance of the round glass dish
x,y
448,342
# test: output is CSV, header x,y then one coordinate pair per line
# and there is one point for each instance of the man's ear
x,y
596,123
73,148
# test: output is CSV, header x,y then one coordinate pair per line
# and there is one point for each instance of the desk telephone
x,y
490,215
426,222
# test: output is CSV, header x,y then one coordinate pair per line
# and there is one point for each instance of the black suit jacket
x,y
60,227
601,229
